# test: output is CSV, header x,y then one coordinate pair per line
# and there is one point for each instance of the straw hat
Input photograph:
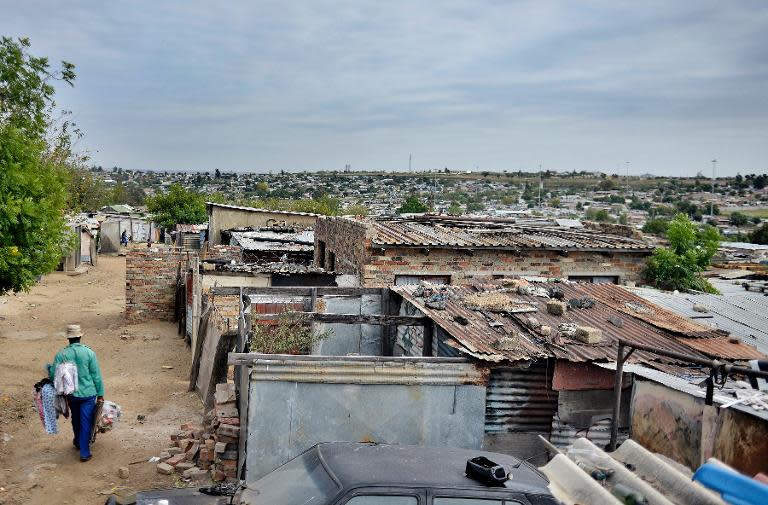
x,y
74,331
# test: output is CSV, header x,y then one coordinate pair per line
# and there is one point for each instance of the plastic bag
x,y
110,415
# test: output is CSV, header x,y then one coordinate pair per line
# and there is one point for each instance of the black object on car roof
x,y
363,464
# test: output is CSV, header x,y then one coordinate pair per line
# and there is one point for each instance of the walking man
x,y
89,387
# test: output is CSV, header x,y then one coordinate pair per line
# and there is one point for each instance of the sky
x,y
659,87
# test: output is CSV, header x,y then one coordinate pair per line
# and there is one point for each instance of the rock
x,y
545,330
141,418
225,393
697,307
589,335
164,456
164,468
556,307
123,472
125,496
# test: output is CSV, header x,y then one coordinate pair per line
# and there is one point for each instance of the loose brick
x,y
184,465
164,468
225,393
176,459
227,430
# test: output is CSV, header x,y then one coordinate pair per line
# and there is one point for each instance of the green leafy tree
x,y
86,192
555,203
454,208
656,226
690,251
760,235
738,219
177,206
35,149
412,205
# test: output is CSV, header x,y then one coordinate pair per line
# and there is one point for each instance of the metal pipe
x,y
694,359
617,383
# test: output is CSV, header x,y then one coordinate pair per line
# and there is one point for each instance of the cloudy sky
x,y
262,85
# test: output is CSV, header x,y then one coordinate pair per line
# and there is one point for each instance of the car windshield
x,y
301,481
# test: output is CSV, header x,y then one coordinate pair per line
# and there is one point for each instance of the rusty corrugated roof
x,y
483,330
411,233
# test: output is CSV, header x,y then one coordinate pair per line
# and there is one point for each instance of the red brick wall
x,y
384,266
150,282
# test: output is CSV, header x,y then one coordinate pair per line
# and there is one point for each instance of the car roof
x,y
364,464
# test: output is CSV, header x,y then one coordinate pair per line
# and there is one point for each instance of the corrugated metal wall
x,y
520,400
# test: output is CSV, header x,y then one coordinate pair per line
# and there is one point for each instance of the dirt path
x,y
36,468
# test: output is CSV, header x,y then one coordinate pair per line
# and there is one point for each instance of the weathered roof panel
x,y
411,233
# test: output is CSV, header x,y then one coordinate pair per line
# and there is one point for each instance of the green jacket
x,y
89,381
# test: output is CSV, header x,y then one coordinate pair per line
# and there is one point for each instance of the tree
x,y
738,219
656,226
760,235
690,251
177,206
34,151
86,192
600,216
454,209
555,203
412,205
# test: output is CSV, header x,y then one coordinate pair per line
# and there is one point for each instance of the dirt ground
x,y
36,468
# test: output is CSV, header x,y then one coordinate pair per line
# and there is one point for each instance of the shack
x,y
226,217
445,250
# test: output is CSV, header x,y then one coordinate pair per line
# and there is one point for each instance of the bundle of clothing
x,y
50,405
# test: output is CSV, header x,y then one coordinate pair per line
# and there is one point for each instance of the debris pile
x,y
434,297
497,301
199,452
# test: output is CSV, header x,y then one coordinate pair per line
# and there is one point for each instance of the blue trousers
x,y
82,410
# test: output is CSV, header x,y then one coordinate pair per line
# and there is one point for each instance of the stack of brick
x,y
211,450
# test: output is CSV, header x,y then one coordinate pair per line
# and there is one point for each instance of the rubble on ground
x,y
199,452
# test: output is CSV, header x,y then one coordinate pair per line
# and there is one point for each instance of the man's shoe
x,y
83,460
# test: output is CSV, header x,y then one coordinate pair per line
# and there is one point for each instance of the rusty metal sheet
x,y
480,335
629,303
497,235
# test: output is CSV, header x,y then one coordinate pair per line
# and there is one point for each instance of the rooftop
x,y
255,209
742,315
515,334
485,233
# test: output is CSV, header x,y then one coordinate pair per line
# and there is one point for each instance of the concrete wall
x,y
349,242
150,282
225,218
680,426
295,403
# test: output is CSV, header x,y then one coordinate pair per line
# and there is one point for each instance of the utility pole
x,y
627,177
410,156
712,203
541,185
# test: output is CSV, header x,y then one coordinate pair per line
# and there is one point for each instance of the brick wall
x,y
224,252
150,282
349,240
462,267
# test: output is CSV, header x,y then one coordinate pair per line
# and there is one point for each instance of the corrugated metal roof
x,y
744,315
490,235
254,209
302,241
483,334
